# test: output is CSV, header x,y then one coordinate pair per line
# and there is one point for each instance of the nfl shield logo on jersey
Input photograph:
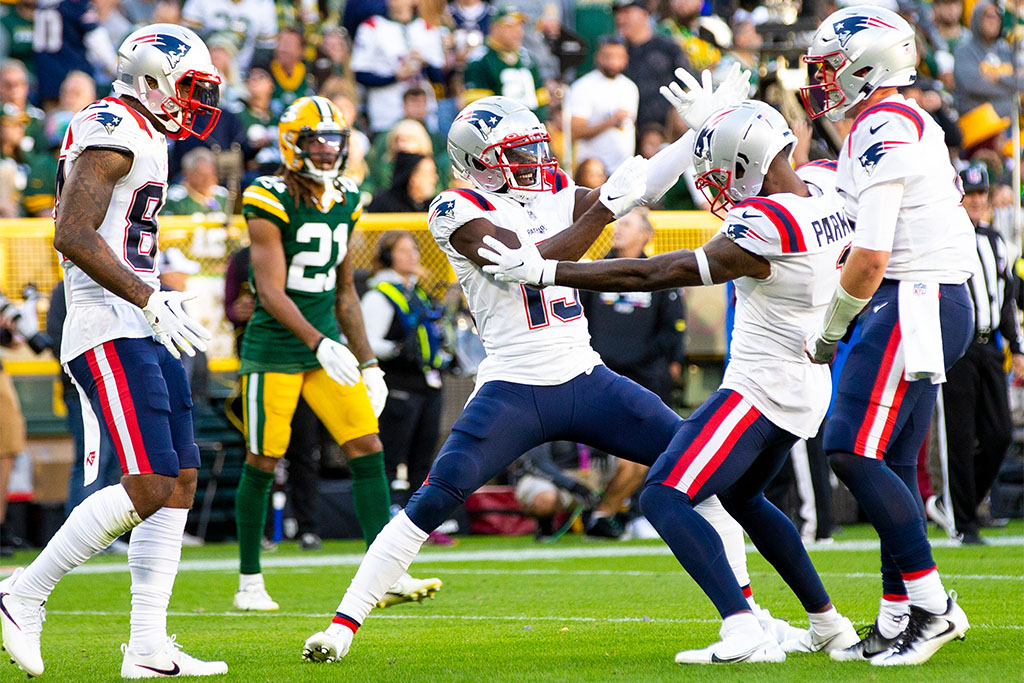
x,y
106,119
174,48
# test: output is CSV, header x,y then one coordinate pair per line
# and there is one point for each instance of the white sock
x,y
892,616
927,591
91,527
732,537
821,621
246,580
743,621
387,558
153,556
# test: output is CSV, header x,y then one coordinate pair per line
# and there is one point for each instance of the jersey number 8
x,y
324,281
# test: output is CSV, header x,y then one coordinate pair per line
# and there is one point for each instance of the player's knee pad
x,y
657,501
848,465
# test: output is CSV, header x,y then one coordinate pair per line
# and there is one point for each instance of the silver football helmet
x,y
733,150
856,51
168,69
496,142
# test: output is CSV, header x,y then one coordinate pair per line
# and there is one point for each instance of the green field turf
x,y
514,610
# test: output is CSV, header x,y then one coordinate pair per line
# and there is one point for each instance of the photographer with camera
x,y
17,324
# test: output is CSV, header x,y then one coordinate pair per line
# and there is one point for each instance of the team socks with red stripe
x,y
92,526
153,557
387,558
925,590
893,612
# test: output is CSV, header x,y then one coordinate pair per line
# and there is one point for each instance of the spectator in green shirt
x,y
504,67
17,25
14,84
291,78
199,193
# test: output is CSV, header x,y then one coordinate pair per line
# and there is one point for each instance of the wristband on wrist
x,y
843,309
318,343
703,267
372,363
547,275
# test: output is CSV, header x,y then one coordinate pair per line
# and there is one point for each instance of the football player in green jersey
x,y
300,222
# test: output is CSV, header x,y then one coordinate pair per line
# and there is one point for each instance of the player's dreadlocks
x,y
303,189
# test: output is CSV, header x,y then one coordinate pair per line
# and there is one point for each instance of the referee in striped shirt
x,y
975,404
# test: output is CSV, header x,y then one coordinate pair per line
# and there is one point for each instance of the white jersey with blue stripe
x,y
897,141
96,315
804,239
535,336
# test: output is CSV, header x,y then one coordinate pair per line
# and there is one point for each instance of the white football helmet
x,y
168,69
854,52
733,150
496,142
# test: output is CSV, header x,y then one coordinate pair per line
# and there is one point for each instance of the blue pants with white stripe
x,y
729,449
879,421
503,420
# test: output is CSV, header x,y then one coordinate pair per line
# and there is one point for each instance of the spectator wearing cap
x,y
603,105
975,405
504,67
681,26
653,59
199,192
392,54
224,55
26,175
983,68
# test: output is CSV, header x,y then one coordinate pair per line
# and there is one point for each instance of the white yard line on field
x,y
430,556
636,572
452,617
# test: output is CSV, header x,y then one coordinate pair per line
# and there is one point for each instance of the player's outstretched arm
x,y
84,201
725,261
270,270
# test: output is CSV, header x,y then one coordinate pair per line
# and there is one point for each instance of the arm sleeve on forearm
x,y
878,207
667,165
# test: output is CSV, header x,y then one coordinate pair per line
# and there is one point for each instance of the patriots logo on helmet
x,y
443,210
484,121
174,48
850,26
702,145
873,154
106,119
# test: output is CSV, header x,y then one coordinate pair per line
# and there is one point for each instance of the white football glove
x,y
338,361
524,264
700,100
376,388
819,349
172,326
624,190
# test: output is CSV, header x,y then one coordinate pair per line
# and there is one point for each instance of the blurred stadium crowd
x,y
400,70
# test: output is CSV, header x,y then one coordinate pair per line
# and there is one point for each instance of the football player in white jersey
x,y
912,253
782,241
541,380
123,339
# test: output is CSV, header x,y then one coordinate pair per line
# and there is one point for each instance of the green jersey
x,y
512,74
315,243
181,202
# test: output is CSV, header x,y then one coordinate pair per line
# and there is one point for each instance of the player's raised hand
x,y
624,190
173,327
376,388
701,99
521,264
338,361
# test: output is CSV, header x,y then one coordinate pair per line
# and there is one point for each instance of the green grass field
x,y
513,610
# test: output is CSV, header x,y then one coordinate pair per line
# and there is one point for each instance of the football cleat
x,y
740,645
779,629
925,634
839,636
255,598
324,647
871,644
408,589
168,661
22,623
